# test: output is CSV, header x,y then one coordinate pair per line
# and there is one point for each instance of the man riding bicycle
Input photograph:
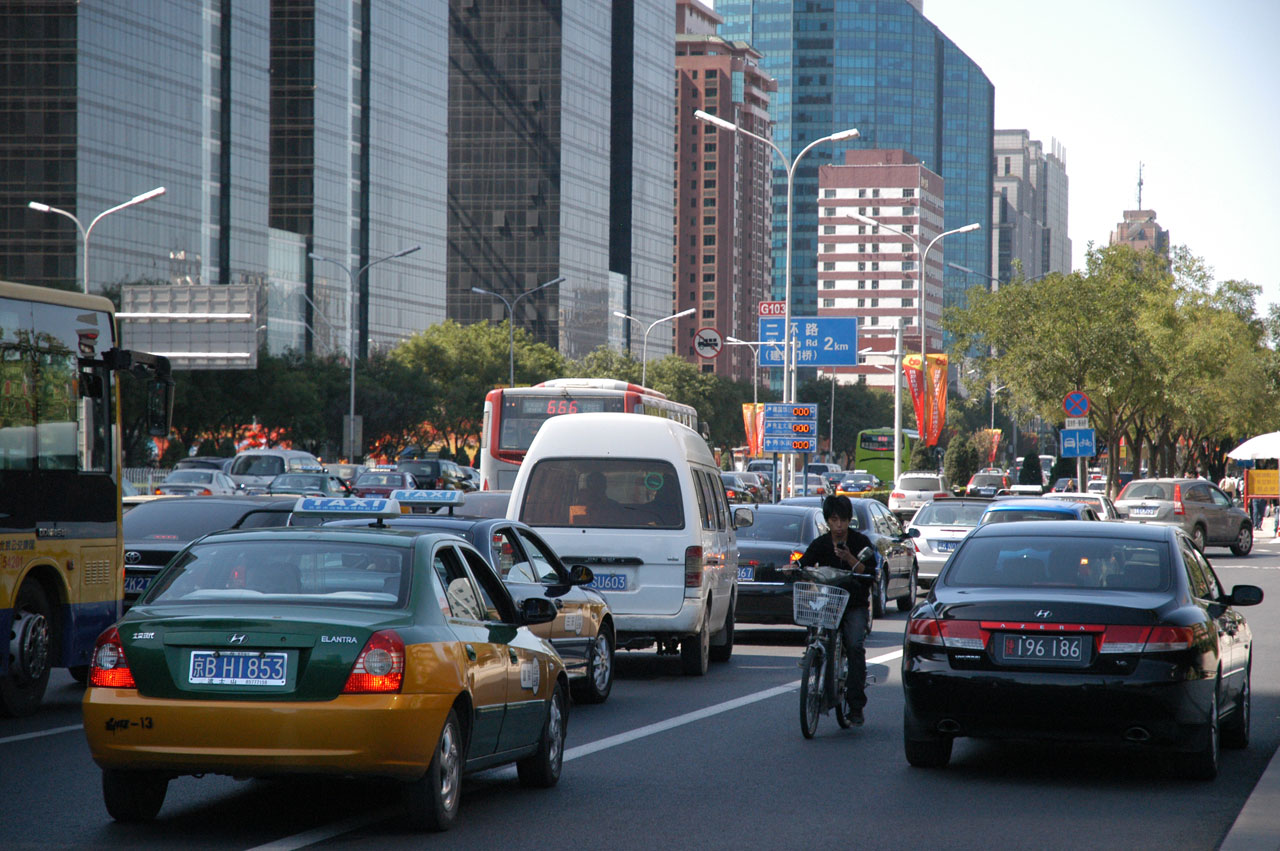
x,y
837,549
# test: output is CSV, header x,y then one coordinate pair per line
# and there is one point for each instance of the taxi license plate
x,y
747,574
237,668
1143,511
609,582
947,546
1014,648
136,584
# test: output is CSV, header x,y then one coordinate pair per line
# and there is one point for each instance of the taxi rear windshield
x,y
1019,562
287,572
614,493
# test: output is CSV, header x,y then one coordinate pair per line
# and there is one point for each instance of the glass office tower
x,y
882,67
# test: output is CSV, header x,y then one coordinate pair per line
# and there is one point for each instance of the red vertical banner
x,y
937,390
753,424
915,386
995,444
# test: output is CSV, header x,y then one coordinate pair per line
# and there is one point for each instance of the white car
x,y
917,489
938,528
807,485
1101,505
196,482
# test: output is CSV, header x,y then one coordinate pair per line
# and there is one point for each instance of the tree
x,y
960,461
857,407
1030,473
922,457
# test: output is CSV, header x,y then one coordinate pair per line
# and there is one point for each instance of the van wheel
x,y
695,651
722,650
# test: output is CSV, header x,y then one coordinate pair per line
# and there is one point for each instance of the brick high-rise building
x,y
870,272
1141,231
720,252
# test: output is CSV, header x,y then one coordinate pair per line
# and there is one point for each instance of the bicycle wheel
x,y
840,681
811,691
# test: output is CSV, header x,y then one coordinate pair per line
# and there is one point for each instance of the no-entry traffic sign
x,y
708,343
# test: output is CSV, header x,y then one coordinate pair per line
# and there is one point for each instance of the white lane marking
x,y
40,733
321,834
697,715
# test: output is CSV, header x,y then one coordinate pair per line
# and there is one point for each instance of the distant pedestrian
x,y
1256,510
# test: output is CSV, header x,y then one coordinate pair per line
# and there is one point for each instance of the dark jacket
x,y
822,553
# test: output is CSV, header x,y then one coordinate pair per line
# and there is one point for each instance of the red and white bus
x,y
512,416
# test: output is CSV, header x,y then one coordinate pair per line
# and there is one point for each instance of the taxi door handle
x,y
471,653
559,604
512,653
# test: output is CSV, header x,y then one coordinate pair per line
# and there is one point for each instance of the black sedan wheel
x,y
880,594
906,601
1202,763
1235,733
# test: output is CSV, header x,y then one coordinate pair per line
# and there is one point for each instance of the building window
x,y
875,211
862,211
909,320
875,302
862,193
828,211
709,314
908,193
908,229
709,165
908,302
875,248
709,147
875,320
709,239
711,73
862,285
1006,165
711,92
828,267
706,258
862,266
908,265
875,265
862,229
709,220
693,277
828,229
862,248
828,193
709,184
862,302
828,246
828,302
875,193
828,285
708,278
709,201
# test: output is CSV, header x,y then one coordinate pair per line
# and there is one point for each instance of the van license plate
x,y
609,582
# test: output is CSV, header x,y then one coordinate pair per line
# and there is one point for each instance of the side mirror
x,y
742,518
159,406
1244,595
536,610
580,574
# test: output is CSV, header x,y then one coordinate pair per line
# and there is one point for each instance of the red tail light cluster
x,y
941,495
379,668
109,668
1114,638
1178,507
897,495
693,566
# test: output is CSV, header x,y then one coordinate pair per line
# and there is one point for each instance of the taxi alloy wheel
x,y
542,769
133,796
433,800
596,685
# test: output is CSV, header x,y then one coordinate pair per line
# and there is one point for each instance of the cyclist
x,y
837,549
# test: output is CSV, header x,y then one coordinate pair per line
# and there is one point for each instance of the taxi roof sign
x,y
420,497
347,506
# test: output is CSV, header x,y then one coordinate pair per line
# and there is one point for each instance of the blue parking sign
x,y
1078,443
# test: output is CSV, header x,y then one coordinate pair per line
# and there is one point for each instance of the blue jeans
x,y
1257,508
853,630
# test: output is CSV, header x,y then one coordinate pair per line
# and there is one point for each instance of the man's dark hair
x,y
838,506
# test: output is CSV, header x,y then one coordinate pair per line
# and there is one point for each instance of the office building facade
x,y
294,127
1029,208
721,243
872,273
559,141
1142,232
879,66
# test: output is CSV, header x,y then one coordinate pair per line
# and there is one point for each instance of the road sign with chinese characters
x,y
819,340
790,427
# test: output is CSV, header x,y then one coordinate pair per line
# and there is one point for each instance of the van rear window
x,y
603,493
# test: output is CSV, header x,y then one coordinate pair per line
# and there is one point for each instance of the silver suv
x,y
1205,513
915,489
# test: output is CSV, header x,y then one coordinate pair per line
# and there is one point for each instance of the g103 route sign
x,y
790,427
1076,404
819,340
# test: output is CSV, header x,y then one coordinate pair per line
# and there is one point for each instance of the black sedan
x,y
1079,631
769,547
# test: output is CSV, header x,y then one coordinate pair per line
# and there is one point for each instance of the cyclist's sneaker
x,y
855,716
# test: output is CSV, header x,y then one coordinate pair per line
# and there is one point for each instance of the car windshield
x,y
179,519
918,483
776,526
287,572
1013,515
1020,562
982,480
950,512
1147,490
189,477
616,493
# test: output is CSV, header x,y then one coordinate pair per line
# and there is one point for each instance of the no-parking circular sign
x,y
1076,404
708,343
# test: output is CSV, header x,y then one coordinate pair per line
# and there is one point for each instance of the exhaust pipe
x,y
949,726
1141,735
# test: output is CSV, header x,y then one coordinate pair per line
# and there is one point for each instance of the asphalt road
x,y
674,762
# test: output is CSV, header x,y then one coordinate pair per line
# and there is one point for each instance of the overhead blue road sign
x,y
790,428
791,411
819,340
790,444
1078,443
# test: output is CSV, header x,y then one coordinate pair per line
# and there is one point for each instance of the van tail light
x,y
379,669
693,566
109,668
1178,508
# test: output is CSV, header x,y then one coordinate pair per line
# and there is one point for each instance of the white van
x,y
255,468
639,500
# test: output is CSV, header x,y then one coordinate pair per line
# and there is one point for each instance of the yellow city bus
x,y
61,560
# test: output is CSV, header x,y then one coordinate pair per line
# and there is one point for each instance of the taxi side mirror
x,y
580,574
536,610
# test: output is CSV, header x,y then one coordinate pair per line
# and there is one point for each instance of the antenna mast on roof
x,y
1139,186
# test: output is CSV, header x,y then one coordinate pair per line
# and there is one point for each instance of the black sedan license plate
x,y
237,668
1015,648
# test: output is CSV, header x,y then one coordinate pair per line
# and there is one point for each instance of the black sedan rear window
x,y
1013,515
287,572
1022,562
788,528
180,520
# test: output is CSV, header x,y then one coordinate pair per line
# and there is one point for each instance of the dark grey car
x,y
1196,506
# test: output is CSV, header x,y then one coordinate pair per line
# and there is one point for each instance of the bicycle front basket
x,y
818,605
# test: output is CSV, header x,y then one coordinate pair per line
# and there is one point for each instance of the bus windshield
x,y
523,415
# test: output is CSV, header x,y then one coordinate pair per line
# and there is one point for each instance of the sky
x,y
1188,88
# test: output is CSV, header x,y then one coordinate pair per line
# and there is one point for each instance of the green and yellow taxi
x,y
356,651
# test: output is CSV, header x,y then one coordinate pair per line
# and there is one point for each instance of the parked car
x,y
347,472
822,468
1195,506
810,484
915,489
194,481
939,527
309,484
1107,632
390,654
1015,510
759,484
583,629
987,484
155,531
1101,505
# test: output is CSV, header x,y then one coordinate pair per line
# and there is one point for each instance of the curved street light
x,y
644,357
511,319
85,231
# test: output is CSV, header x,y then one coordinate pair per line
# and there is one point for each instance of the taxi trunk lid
x,y
257,653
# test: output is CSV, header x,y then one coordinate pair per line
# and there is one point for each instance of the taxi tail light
x,y
379,669
693,566
109,668
1178,507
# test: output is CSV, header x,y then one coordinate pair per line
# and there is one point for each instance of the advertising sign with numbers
x,y
819,340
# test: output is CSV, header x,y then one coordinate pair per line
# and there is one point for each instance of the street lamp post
x,y
350,436
511,319
85,231
644,357
755,369
788,359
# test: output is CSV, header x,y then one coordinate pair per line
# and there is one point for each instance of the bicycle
x,y
819,605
